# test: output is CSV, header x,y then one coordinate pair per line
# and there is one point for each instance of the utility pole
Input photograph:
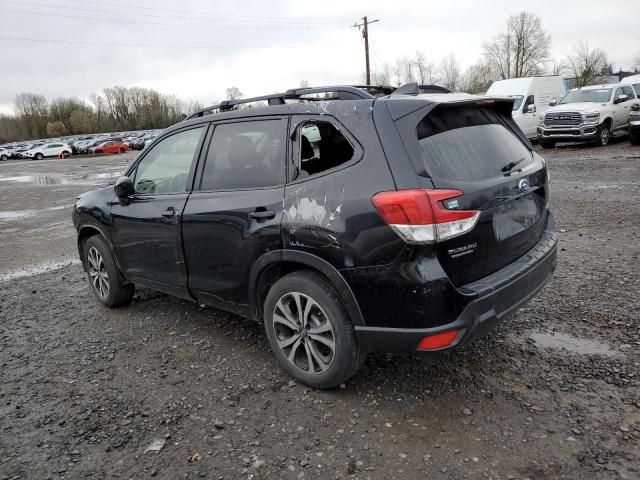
x,y
365,34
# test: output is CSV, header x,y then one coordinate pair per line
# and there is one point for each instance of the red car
x,y
109,147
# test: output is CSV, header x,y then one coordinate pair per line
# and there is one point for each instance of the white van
x,y
531,97
634,81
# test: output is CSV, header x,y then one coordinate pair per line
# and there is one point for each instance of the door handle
x,y
169,214
262,214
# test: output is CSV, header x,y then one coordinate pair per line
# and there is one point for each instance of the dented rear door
x,y
233,215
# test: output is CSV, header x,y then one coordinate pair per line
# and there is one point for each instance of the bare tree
x,y
521,50
192,106
426,69
382,76
478,78
398,69
407,70
56,129
33,111
450,72
558,66
585,65
234,93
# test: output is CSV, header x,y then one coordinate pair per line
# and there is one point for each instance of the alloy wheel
x,y
304,333
98,273
604,136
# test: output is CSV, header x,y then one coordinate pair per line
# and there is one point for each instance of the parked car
x,y
5,154
109,147
634,125
21,150
405,223
84,145
97,141
137,144
588,114
531,97
48,150
634,81
149,139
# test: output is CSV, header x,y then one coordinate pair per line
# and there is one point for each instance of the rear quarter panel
x,y
330,215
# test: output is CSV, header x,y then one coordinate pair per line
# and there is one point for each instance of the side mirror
x,y
622,98
531,109
124,188
553,103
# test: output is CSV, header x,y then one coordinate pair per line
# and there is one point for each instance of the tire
x,y
104,278
309,339
66,154
97,151
634,137
547,143
122,150
4,158
604,135
38,156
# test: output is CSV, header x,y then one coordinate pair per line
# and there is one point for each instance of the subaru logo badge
x,y
523,185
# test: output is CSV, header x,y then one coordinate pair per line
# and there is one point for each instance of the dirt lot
x,y
553,392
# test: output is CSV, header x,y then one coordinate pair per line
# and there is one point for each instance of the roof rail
x,y
344,93
377,90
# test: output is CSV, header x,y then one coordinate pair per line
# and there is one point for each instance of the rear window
x,y
469,144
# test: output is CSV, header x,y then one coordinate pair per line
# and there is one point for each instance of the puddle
x,y
599,187
65,179
21,214
572,344
37,269
18,215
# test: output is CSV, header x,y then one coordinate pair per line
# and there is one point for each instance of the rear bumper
x,y
497,295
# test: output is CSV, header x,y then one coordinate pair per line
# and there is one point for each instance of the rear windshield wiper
x,y
508,168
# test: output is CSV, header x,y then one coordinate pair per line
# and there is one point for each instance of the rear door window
x,y
243,155
468,144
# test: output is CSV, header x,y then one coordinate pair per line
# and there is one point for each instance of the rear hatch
x,y
474,147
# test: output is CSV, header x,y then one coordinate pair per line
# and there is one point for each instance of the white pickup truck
x,y
588,114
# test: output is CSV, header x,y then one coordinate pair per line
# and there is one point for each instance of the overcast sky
x,y
195,49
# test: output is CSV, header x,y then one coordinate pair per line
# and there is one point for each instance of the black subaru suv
x,y
344,222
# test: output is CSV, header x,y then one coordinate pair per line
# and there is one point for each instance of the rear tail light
x,y
420,216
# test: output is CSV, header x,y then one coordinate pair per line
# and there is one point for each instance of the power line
x,y
236,18
154,8
140,45
193,25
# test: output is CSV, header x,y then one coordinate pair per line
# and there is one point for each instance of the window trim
x,y
294,136
199,174
133,169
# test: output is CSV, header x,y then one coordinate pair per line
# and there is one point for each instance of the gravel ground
x,y
553,392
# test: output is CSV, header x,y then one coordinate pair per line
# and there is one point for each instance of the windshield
x,y
517,101
593,95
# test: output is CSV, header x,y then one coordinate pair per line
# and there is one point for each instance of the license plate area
x,y
515,216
